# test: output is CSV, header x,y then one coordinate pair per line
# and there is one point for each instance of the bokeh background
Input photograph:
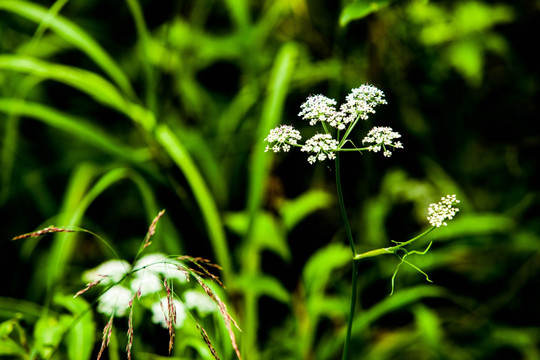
x,y
113,110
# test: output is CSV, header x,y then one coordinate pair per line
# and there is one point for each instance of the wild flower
x,y
382,138
360,103
115,301
151,275
109,272
317,108
196,300
160,314
444,210
323,147
283,136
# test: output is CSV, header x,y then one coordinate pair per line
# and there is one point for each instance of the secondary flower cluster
x,y
322,145
443,210
283,136
146,281
359,104
381,137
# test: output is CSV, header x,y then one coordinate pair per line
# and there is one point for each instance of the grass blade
x,y
74,35
86,81
202,194
75,126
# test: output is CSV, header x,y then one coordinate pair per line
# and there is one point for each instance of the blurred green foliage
x,y
111,111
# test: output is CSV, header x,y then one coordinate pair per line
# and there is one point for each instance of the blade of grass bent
x,y
144,51
258,175
182,159
74,35
86,81
75,126
78,198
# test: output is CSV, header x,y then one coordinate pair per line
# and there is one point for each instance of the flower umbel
x,y
382,137
322,145
283,136
317,108
360,102
443,210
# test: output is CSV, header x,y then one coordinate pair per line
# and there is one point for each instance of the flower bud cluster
x,y
443,210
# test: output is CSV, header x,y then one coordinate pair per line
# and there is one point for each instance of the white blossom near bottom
x,y
159,312
194,299
115,301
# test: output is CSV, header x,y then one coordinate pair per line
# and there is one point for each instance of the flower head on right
x,y
443,210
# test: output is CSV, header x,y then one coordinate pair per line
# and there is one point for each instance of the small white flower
x,y
443,210
317,108
381,138
201,302
159,312
322,145
283,136
360,102
146,282
111,272
115,300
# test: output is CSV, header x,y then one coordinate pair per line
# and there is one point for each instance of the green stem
x,y
391,249
342,207
346,347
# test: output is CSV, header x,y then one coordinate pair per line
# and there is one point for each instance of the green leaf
x,y
359,9
48,333
86,81
9,331
80,338
268,234
278,85
320,266
73,34
395,302
75,126
263,285
176,150
293,211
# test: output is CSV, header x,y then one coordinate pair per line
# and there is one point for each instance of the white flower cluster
x,y
443,210
283,136
381,137
360,102
322,145
317,108
146,278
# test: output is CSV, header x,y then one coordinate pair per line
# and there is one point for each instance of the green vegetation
x,y
112,111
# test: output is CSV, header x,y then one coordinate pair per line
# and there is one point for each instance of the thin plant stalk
x,y
346,348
